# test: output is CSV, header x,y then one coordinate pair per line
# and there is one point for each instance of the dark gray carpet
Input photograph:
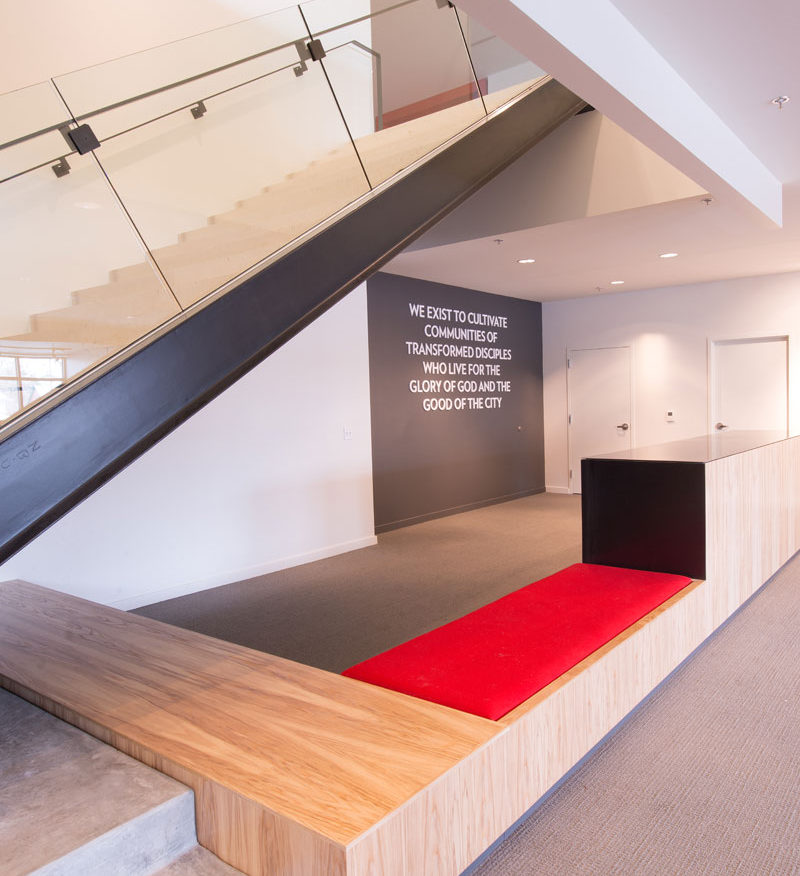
x,y
704,778
336,612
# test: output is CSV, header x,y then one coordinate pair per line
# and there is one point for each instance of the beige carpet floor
x,y
704,778
336,612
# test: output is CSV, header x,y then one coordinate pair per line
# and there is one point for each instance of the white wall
x,y
260,479
668,331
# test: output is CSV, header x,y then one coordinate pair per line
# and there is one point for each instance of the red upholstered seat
x,y
492,659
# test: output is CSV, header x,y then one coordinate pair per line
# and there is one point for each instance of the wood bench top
x,y
330,753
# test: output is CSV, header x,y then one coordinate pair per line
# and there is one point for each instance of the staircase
x,y
115,314
63,451
72,806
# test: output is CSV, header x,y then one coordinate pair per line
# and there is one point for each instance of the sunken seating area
x,y
493,659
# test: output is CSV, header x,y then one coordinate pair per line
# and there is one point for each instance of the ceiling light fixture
x,y
780,101
525,261
617,282
668,255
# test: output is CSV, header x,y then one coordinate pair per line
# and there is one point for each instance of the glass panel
x,y
9,400
427,92
351,63
502,71
180,73
34,390
40,366
264,162
8,367
75,283
355,74
27,112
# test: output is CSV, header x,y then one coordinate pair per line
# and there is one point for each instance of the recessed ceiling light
x,y
617,282
668,255
526,261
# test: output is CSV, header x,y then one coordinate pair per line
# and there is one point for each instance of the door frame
x,y
568,353
711,372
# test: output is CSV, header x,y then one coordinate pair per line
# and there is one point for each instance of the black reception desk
x,y
645,508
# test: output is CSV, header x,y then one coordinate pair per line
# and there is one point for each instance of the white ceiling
x,y
735,57
574,258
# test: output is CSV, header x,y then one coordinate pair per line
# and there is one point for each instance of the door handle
x,y
721,426
624,427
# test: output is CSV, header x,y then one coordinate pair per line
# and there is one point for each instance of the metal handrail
x,y
220,69
62,126
145,94
56,127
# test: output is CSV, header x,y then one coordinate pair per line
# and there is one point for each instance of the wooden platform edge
x,y
288,763
531,703
228,823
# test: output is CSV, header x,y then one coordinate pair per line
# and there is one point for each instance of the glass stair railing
x,y
205,157
172,217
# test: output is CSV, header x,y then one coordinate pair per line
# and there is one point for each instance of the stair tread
x,y
61,789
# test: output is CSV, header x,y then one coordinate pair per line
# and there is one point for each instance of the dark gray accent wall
x,y
487,443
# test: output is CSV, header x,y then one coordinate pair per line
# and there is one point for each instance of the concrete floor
x,y
71,805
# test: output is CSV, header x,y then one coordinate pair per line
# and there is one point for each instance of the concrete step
x,y
139,272
108,324
127,290
72,806
105,339
198,862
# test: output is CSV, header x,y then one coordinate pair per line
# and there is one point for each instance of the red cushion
x,y
492,659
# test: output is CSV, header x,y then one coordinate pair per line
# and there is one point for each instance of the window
x,y
26,379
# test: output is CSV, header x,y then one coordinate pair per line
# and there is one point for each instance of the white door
x,y
750,384
599,392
